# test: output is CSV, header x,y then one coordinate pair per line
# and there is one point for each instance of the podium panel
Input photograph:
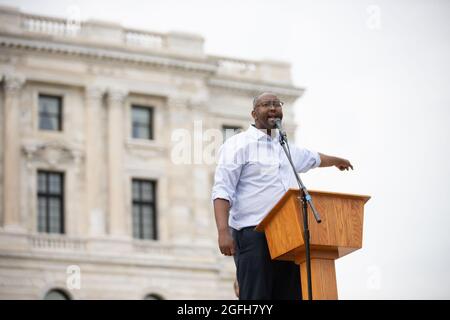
x,y
339,234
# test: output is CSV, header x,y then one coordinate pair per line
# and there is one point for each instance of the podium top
x,y
337,194
293,191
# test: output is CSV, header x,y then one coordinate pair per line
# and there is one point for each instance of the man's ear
x,y
254,114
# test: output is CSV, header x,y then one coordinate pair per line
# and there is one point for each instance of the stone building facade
x,y
77,160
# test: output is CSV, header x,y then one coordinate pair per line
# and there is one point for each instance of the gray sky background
x,y
377,75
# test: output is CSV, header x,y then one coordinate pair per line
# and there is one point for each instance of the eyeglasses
x,y
267,104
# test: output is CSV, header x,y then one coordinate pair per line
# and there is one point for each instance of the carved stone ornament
x,y
116,96
94,92
53,153
13,82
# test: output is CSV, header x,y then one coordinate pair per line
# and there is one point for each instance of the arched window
x,y
153,296
56,294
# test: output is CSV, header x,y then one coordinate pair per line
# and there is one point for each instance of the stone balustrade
x,y
229,65
56,242
64,243
144,39
48,25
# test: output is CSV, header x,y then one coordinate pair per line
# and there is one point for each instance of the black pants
x,y
259,277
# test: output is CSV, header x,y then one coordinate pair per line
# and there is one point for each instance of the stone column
x,y
96,218
11,153
179,174
200,174
116,130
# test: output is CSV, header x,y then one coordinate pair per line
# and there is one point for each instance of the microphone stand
x,y
305,200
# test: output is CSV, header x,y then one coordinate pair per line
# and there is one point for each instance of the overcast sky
x,y
377,79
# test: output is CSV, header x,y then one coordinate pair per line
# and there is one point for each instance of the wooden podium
x,y
339,233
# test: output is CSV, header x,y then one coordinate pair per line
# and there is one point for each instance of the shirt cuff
x,y
318,161
221,195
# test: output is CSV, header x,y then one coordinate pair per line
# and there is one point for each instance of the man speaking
x,y
252,174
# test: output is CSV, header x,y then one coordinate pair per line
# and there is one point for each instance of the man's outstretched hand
x,y
340,163
343,164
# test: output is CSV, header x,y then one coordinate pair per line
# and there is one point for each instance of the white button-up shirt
x,y
253,173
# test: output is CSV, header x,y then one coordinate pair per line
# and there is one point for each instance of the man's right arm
x,y
226,179
221,212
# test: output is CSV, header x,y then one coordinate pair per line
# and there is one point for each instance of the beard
x,y
271,122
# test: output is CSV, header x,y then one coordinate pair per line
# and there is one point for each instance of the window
x,y
153,296
229,131
56,294
144,209
50,111
50,202
142,122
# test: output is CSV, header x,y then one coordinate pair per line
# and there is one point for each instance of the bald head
x,y
261,95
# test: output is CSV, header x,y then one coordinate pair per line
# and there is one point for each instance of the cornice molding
x,y
254,88
111,54
251,87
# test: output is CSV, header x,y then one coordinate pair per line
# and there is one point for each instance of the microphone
x,y
280,128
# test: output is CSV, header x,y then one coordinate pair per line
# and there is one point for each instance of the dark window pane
x,y
136,210
42,204
147,222
55,183
146,212
42,226
42,209
143,209
54,226
136,192
42,182
141,122
45,123
54,205
49,112
141,132
141,115
48,123
50,202
49,105
147,191
136,221
136,217
146,234
135,131
54,216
